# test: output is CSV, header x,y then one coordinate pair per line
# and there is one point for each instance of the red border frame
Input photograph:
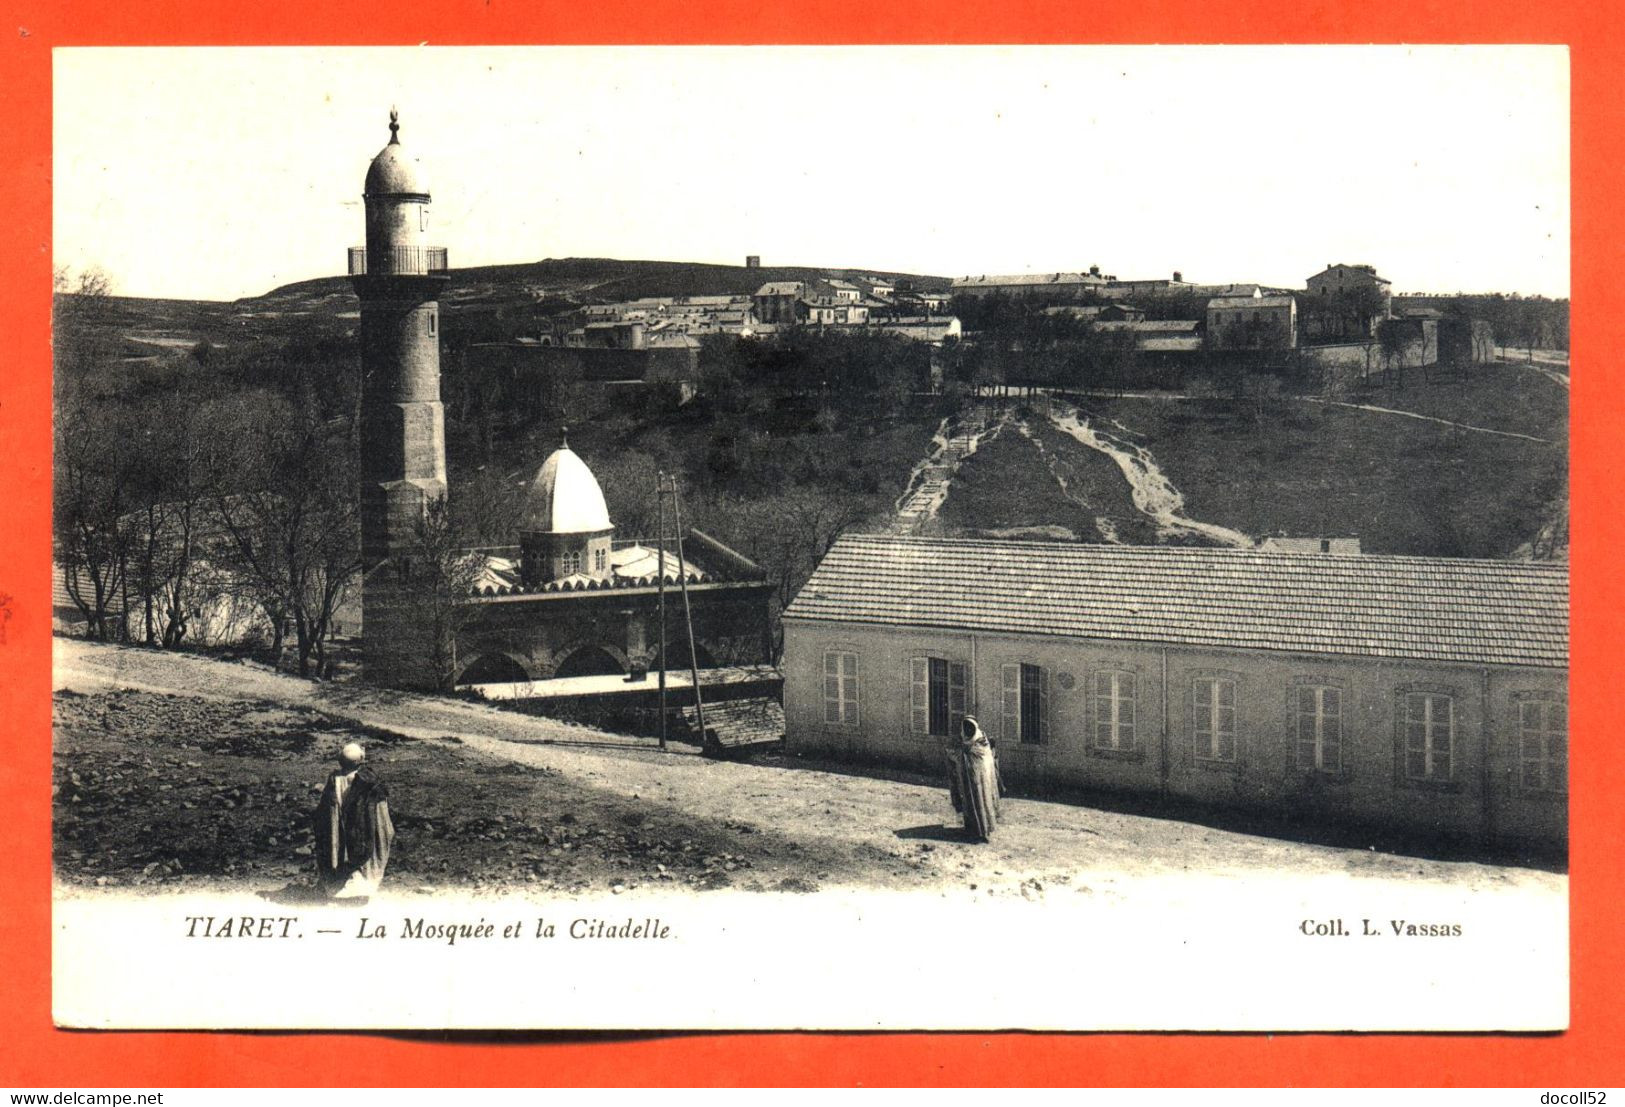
x,y
32,1052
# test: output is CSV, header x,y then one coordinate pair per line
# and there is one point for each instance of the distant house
x,y
775,301
1087,312
1348,301
844,290
935,329
1159,335
1428,694
1255,322
1052,284
815,303
1290,543
1121,313
620,334
1154,287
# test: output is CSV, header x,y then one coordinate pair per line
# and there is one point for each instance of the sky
x,y
220,173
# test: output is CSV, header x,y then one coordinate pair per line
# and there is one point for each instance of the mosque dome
x,y
564,498
394,172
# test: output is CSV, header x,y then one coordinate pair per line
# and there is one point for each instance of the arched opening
x,y
677,656
493,668
589,661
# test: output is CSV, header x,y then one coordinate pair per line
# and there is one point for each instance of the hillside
x,y
1454,466
327,307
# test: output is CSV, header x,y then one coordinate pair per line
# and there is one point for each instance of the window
x,y
840,688
1318,727
1214,718
423,217
571,562
600,560
1114,711
937,703
434,324
1544,740
1429,723
1024,700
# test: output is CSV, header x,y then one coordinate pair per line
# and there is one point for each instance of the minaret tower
x,y
398,278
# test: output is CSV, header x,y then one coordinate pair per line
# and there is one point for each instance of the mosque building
x,y
571,599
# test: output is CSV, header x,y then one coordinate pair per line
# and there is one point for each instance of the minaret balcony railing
x,y
398,261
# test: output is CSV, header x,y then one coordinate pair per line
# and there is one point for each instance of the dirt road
x,y
176,770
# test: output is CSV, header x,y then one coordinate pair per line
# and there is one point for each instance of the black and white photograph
x,y
1036,537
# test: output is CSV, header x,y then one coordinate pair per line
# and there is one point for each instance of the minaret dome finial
x,y
394,127
564,437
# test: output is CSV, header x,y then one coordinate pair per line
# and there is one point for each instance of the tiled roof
x,y
747,722
1437,609
1149,326
1028,279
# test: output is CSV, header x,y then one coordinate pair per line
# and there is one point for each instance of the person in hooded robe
x,y
973,780
353,829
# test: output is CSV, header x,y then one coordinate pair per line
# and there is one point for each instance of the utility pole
x,y
660,578
688,613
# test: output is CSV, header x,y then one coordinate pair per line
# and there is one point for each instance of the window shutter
x,y
1043,705
1125,710
1331,729
920,700
1415,738
1444,735
956,697
1202,717
1010,703
849,678
1306,728
1103,709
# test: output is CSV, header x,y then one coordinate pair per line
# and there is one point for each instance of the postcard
x,y
833,538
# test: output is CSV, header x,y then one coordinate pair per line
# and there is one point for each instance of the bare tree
x,y
91,493
443,575
1394,338
290,512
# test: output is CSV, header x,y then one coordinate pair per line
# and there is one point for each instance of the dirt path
x,y
1547,366
932,476
1154,494
1423,418
589,810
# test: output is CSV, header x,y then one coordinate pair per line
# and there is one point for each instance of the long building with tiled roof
x,y
1426,693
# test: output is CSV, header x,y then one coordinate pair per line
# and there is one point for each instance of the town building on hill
x,y
1163,336
1252,322
1349,300
934,329
1299,543
1047,284
1423,694
810,303
1155,287
844,290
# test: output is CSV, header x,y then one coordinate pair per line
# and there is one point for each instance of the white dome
x,y
394,172
564,498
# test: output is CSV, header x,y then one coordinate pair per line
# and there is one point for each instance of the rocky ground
x,y
155,789
177,773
